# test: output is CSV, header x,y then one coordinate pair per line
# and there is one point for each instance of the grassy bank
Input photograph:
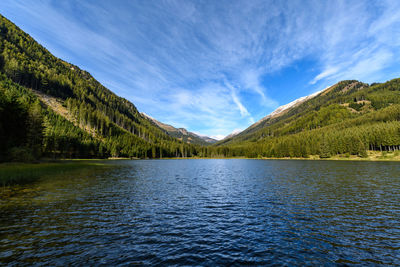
x,y
371,156
19,173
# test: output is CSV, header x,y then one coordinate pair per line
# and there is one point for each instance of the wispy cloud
x,y
326,73
203,65
363,49
243,111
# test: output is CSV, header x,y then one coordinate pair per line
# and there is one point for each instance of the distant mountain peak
x,y
181,133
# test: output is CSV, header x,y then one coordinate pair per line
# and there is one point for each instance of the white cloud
x,y
326,73
243,110
218,137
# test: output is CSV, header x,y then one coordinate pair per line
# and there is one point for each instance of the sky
x,y
214,67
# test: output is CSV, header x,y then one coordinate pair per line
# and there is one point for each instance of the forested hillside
x,y
347,118
99,123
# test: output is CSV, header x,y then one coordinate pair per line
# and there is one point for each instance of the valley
x,y
53,109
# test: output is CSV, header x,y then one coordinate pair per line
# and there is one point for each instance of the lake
x,y
207,212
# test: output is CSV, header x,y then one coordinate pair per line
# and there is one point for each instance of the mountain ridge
x,y
181,133
276,113
281,109
287,108
347,118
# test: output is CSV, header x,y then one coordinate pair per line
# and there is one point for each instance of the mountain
x,y
285,108
349,117
182,134
51,108
275,114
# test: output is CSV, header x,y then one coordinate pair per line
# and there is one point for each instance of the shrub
x,y
20,154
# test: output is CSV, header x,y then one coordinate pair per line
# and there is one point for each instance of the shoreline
x,y
288,158
372,156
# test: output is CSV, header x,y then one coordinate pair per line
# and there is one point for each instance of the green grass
x,y
20,173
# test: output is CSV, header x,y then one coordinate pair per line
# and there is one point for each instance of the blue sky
x,y
217,66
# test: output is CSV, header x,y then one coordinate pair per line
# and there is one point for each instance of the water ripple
x,y
208,212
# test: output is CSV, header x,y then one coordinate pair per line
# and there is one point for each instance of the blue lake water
x,y
207,212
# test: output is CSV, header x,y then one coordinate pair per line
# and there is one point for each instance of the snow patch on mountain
x,y
234,133
282,109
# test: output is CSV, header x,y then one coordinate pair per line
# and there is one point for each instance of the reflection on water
x,y
207,212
